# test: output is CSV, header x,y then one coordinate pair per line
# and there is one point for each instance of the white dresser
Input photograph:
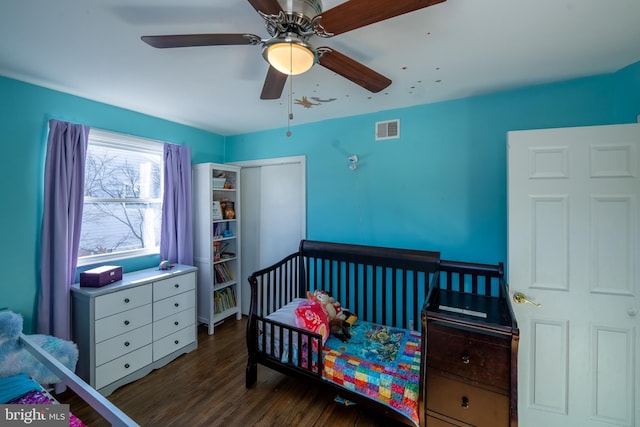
x,y
129,328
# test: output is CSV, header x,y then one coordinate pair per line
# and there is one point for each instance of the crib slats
x,y
378,284
479,279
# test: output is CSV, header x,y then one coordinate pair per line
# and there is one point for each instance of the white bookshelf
x,y
217,242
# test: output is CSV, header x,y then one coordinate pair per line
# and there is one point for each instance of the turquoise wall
x,y
24,112
442,185
628,93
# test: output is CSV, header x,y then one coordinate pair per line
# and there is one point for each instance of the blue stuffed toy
x,y
15,359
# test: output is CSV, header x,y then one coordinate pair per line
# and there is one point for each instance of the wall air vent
x,y
389,129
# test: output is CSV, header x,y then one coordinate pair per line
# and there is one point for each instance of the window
x,y
122,198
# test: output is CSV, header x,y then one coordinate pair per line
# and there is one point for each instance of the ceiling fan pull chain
x,y
290,116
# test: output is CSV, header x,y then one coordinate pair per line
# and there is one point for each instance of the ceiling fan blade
x,y
353,70
188,40
354,14
270,7
273,84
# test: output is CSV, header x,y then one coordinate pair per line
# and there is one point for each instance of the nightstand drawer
x,y
174,285
462,401
117,302
123,366
123,344
472,355
109,327
171,324
174,304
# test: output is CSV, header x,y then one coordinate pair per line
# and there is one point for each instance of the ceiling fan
x,y
291,23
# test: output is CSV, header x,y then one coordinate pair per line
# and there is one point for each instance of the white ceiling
x,y
459,48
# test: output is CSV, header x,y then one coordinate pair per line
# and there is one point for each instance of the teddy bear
x,y
339,320
328,304
16,359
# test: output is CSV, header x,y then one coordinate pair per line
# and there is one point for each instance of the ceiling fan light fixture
x,y
289,55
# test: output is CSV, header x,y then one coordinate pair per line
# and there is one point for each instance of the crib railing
x,y
380,285
477,279
464,279
271,342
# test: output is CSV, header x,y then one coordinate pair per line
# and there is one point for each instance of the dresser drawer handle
x,y
126,300
465,402
127,343
177,285
126,366
126,322
176,323
466,359
177,305
176,342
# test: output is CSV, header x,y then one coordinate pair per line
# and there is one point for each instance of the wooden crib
x,y
387,289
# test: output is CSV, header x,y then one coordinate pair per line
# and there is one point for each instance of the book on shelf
x,y
223,273
216,210
224,299
221,230
219,250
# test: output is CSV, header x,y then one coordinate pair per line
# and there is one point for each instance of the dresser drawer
x,y
462,401
123,366
174,285
174,304
173,342
109,327
116,302
476,356
173,323
122,344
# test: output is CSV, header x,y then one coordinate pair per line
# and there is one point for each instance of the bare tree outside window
x,y
123,199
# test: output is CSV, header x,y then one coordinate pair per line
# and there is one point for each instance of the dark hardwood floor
x,y
207,388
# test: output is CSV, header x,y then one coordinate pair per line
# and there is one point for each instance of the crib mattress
x,y
379,362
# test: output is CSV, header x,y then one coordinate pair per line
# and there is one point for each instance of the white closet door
x,y
280,213
251,201
273,214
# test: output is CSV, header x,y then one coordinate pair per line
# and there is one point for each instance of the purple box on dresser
x,y
101,276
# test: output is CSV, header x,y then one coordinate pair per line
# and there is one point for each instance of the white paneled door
x,y
574,249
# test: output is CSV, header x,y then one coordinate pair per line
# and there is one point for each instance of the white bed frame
x,y
104,407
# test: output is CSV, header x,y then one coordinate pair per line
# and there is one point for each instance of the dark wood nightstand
x,y
471,343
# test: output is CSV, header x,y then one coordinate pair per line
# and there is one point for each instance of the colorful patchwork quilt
x,y
380,362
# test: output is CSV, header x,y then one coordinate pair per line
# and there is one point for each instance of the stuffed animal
x,y
15,359
339,320
328,303
340,329
340,325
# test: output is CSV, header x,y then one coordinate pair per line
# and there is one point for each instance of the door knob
x,y
520,298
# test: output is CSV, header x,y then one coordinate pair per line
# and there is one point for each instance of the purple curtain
x,y
176,236
61,222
